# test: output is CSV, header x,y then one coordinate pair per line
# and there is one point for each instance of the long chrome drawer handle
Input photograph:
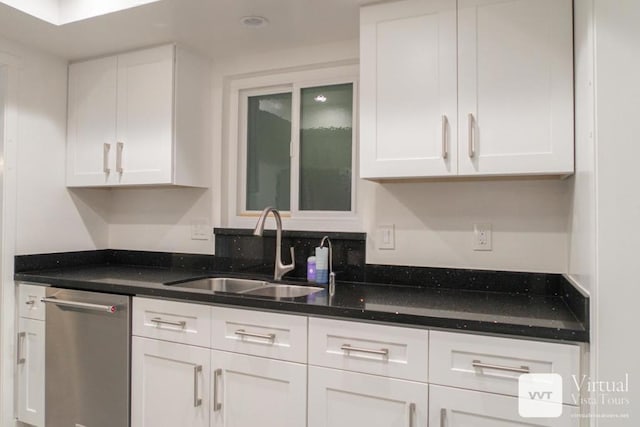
x,y
21,337
197,401
216,376
520,370
347,347
181,324
83,305
243,333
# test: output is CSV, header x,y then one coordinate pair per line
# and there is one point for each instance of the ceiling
x,y
210,26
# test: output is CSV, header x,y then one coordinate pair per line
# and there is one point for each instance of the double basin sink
x,y
250,287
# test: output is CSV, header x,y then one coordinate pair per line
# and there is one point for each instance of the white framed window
x,y
293,145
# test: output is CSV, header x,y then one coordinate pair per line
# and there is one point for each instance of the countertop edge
x,y
292,307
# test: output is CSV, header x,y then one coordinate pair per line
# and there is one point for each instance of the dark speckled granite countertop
x,y
546,316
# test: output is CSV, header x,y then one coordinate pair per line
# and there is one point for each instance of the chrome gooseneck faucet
x,y
332,275
280,268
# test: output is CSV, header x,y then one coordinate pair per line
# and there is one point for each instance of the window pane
x,y
325,148
268,162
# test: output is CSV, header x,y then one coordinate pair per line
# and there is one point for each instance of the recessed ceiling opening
x,y
60,12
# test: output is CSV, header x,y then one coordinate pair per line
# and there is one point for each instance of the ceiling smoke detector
x,y
254,21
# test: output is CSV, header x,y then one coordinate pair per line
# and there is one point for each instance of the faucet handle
x,y
293,259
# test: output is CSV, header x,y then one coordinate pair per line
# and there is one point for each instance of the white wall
x,y
157,219
49,218
434,223
617,65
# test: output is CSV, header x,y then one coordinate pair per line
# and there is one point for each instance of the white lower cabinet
x,y
270,370
346,399
169,384
30,371
454,407
251,391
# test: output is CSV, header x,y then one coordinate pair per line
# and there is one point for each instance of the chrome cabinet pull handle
x,y
243,333
520,370
21,338
197,401
443,417
412,414
83,305
119,149
105,157
159,321
445,144
472,139
347,348
217,405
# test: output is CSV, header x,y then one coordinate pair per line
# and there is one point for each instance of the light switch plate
x,y
200,229
386,237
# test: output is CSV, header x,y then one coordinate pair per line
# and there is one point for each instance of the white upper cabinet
x,y
91,129
408,108
515,73
138,119
473,87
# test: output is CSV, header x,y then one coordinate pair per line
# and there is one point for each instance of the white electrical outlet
x,y
200,229
482,238
386,236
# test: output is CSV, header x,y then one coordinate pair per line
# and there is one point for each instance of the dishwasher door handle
x,y
82,305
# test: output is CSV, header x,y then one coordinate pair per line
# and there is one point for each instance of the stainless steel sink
x,y
250,287
224,284
283,291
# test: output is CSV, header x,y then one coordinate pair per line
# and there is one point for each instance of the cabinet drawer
x,y
30,305
278,336
494,364
172,321
376,349
454,407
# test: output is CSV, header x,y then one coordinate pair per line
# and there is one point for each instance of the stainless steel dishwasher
x,y
87,348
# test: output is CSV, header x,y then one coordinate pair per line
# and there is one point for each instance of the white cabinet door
x,y
254,391
30,371
515,64
169,384
145,116
453,407
408,105
91,130
346,399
